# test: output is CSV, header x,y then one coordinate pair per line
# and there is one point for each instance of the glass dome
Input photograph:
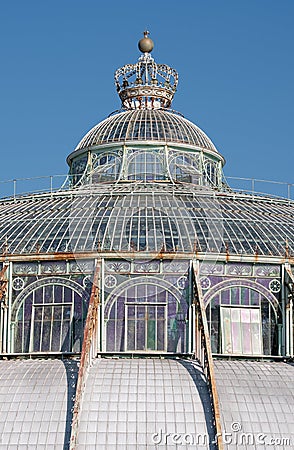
x,y
146,125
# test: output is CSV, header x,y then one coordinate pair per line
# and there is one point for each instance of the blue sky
x,y
234,58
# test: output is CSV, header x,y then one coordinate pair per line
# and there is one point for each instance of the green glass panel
x,y
151,335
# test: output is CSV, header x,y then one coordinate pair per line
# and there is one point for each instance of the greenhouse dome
x,y
145,278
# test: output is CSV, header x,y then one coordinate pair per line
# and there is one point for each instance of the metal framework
x,y
149,217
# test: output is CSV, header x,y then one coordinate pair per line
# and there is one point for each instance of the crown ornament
x,y
146,84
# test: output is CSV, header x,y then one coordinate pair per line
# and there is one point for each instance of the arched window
x,y
145,317
185,168
146,166
49,318
106,167
242,321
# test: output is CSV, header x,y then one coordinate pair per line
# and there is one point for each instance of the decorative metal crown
x,y
146,85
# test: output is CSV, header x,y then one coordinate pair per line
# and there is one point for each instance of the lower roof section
x,y
145,403
36,401
256,403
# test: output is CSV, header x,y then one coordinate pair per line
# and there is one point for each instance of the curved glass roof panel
x,y
146,125
130,217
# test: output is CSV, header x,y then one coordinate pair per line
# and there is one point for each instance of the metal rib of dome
x,y
146,125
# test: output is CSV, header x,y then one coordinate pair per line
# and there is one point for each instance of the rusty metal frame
x,y
288,301
203,352
3,307
89,351
3,282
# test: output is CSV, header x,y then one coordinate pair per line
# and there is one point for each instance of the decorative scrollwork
x,y
118,266
25,268
53,267
267,271
152,266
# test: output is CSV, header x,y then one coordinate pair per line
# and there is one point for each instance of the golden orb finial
x,y
146,44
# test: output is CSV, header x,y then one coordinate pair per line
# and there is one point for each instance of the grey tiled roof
x,y
257,404
139,403
36,400
128,400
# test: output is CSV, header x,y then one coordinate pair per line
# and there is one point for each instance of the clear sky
x,y
235,61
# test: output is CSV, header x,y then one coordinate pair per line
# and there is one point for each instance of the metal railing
x,y
34,185
51,183
256,186
202,350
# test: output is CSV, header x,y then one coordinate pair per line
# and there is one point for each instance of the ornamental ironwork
x,y
146,84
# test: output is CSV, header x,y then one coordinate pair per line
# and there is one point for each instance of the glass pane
x,y
151,334
256,339
256,331
37,337
226,330
255,315
56,330
236,331
244,296
235,299
45,344
254,298
246,338
214,336
160,335
65,343
131,345
47,312
225,297
57,312
120,335
140,334
245,315
235,314
58,294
